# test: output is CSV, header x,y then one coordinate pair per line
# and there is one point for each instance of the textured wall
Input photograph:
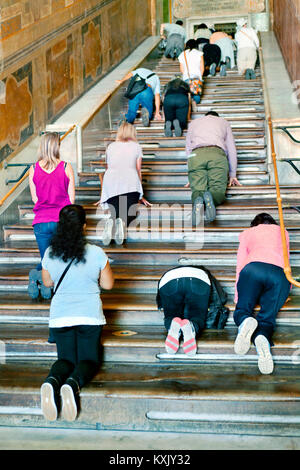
x,y
205,8
52,51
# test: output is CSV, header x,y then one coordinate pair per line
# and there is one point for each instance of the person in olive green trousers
x,y
212,159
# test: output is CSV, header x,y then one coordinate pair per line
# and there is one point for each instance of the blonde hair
x,y
49,149
126,132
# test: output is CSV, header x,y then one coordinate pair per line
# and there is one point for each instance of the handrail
x,y
12,190
287,267
285,129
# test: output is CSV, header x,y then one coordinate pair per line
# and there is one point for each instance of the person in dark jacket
x,y
192,300
177,105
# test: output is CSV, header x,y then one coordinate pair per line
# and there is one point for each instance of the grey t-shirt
x,y
77,300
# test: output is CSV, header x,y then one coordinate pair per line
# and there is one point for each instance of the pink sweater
x,y
261,243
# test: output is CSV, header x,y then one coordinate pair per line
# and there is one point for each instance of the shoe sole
x,y
243,340
177,128
69,408
48,404
189,340
107,234
223,71
265,360
210,209
145,117
168,130
172,340
196,211
119,235
212,70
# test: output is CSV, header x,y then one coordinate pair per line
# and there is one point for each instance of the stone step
x,y
147,253
182,195
229,210
128,279
146,344
245,175
153,230
206,398
122,308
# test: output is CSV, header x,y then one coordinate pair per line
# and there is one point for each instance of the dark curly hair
x,y
69,240
263,218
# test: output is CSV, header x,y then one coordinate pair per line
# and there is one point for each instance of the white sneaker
x,y
48,404
243,340
107,232
119,235
265,360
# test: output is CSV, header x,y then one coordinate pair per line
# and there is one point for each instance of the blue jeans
x,y
261,284
145,99
43,233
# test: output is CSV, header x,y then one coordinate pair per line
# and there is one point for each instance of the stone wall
x,y
52,51
204,8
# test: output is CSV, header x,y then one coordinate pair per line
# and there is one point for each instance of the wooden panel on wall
x,y
52,51
287,30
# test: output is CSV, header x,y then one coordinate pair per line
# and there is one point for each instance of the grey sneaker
x,y
145,117
196,212
177,128
168,129
119,235
223,70
210,209
243,340
212,70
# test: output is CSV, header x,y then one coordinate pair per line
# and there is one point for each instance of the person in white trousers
x,y
247,44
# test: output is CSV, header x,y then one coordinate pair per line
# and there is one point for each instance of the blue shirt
x,y
77,300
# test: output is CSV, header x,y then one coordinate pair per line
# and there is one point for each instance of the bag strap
x,y
151,75
186,65
63,275
252,40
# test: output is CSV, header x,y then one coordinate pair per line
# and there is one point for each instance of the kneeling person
x,y
186,294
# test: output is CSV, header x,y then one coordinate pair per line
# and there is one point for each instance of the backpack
x,y
136,85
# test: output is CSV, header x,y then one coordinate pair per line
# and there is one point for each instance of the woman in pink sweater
x,y
260,280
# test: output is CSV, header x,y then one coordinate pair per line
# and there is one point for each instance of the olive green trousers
x,y
208,171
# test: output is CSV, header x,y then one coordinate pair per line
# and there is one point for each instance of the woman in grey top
x,y
76,315
121,186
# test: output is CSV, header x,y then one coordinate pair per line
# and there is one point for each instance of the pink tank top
x,y
52,193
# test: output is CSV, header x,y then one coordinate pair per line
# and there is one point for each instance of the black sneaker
x,y
210,209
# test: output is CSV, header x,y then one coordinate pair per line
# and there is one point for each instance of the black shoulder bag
x,y
136,85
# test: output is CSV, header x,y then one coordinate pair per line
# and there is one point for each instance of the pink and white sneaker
x,y
172,340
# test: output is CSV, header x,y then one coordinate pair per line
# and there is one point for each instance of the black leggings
x,y
176,106
122,205
78,353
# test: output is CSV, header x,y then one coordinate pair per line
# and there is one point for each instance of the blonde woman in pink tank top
x,y
52,187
